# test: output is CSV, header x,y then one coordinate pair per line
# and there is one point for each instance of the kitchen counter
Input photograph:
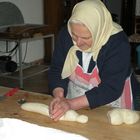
x,y
97,128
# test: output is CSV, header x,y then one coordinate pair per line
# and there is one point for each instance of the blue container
x,y
138,56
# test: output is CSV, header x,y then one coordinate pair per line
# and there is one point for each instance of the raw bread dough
x,y
41,108
118,116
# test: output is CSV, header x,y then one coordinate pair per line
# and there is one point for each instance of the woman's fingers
x,y
58,114
53,105
58,107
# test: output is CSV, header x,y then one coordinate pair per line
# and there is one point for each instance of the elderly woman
x,y
91,63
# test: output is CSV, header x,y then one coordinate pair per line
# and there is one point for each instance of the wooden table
x,y
97,128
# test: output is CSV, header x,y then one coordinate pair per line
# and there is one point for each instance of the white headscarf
x,y
95,16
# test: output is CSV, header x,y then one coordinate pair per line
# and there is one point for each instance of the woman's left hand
x,y
58,107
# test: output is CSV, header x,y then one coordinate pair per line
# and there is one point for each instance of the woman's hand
x,y
58,107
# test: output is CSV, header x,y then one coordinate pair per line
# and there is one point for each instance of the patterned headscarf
x,y
95,16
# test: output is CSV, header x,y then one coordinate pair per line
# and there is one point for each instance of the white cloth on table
x,y
15,129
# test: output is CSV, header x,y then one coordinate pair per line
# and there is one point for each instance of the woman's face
x,y
81,35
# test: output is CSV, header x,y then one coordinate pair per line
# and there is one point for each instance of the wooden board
x,y
97,128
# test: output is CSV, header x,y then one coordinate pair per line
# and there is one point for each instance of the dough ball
x,y
115,117
82,119
130,116
70,115
36,107
43,109
119,116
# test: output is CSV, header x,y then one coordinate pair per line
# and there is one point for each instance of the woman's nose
x,y
79,41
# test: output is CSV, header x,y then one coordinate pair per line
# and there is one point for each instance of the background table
x,y
24,33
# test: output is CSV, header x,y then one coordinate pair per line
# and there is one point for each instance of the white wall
x,y
32,11
138,7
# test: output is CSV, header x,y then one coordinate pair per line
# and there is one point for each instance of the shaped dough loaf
x,y
119,116
43,109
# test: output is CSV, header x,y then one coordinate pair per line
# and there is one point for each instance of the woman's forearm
x,y
78,102
75,103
